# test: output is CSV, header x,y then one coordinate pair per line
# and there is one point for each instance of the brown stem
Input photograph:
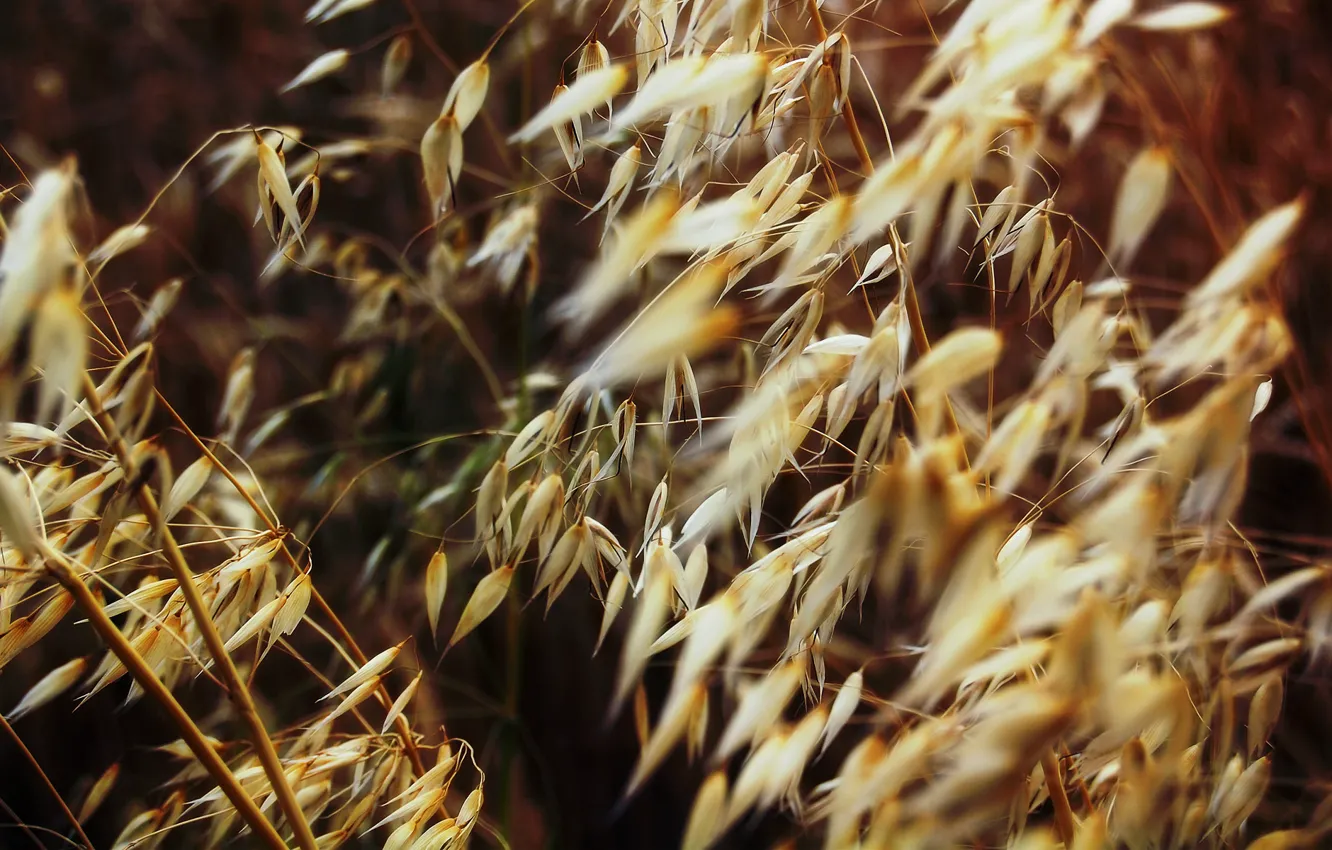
x,y
419,24
46,780
817,18
401,724
1065,824
27,830
236,689
853,130
919,338
153,687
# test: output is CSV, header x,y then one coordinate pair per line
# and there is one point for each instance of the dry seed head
x,y
671,727
370,669
650,612
441,161
436,582
696,81
569,135
614,601
97,793
253,626
635,242
1142,196
121,240
1188,15
683,321
587,93
1264,711
60,351
593,57
49,687
621,182
490,591
164,298
706,816
1242,796
524,446
760,707
1259,249
350,701
38,253
323,11
468,93
322,66
843,706
273,183
1041,669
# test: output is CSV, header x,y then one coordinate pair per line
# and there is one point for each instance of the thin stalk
x,y
46,780
513,650
817,18
1065,825
385,699
236,689
919,338
153,687
18,821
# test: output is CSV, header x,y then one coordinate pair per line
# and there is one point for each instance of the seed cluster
x,y
1019,565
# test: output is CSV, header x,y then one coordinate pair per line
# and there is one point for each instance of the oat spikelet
x,y
1183,16
587,93
324,65
487,596
1143,192
50,686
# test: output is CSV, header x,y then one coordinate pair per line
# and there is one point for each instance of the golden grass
x,y
1014,608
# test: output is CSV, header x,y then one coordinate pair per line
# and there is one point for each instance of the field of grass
x,y
856,424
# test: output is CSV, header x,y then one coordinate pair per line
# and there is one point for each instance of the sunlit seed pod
x,y
60,350
322,66
1189,15
121,240
371,669
843,707
594,57
98,792
707,813
1143,192
163,299
441,161
490,591
49,687
1258,250
323,11
587,93
468,94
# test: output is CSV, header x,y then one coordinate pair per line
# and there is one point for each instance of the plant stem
x,y
919,338
153,687
1064,821
236,689
46,780
401,724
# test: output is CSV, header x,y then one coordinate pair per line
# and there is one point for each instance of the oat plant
x,y
915,582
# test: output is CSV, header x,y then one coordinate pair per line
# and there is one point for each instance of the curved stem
x,y
402,725
46,780
153,687
236,689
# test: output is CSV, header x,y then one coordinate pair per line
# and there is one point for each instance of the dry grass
x,y
908,502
